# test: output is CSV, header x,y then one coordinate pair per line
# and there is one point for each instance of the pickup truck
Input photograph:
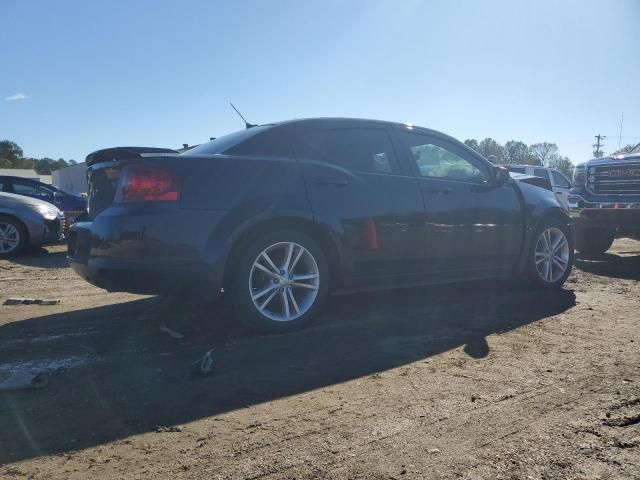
x,y
605,202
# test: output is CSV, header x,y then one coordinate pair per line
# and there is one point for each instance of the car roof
x,y
15,177
354,120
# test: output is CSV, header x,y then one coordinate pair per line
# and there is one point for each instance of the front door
x,y
472,227
357,186
561,187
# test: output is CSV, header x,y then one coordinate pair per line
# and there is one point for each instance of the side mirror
x,y
500,175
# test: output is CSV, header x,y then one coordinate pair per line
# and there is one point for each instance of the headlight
x,y
49,213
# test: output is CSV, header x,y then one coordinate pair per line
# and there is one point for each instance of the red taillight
x,y
146,184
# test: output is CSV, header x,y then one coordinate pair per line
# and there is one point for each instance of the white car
x,y
560,184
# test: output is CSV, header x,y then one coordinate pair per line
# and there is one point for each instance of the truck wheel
x,y
13,236
592,241
282,282
551,255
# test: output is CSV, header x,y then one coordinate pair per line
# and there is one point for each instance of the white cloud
x,y
16,97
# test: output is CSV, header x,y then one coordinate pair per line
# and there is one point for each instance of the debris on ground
x,y
22,381
170,332
205,364
163,429
31,301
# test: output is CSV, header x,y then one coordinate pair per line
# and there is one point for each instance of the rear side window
x,y
226,142
270,143
541,172
559,180
517,169
358,149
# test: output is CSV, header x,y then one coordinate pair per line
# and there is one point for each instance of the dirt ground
x,y
469,381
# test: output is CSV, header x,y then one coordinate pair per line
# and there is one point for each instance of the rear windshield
x,y
517,169
224,143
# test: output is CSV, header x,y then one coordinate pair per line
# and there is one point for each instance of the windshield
x,y
224,143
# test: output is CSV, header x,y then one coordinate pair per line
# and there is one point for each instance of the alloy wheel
x,y
284,281
9,238
552,255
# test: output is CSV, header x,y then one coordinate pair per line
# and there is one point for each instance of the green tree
x,y
10,151
515,152
544,153
563,164
626,149
471,143
488,147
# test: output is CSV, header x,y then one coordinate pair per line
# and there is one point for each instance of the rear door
x,y
357,186
472,227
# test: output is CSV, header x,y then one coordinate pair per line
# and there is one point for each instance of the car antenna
x,y
247,124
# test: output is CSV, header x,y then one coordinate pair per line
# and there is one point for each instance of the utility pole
x,y
600,143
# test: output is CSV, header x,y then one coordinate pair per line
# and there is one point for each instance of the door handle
x,y
442,191
332,182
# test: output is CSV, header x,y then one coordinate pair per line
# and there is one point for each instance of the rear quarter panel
x,y
241,192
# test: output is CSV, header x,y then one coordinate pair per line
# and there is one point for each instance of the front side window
x,y
357,149
437,160
560,180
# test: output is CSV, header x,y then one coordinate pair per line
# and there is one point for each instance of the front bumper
x,y
621,216
53,231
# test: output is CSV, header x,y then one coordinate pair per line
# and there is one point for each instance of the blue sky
x,y
161,73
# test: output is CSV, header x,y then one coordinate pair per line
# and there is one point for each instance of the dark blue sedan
x,y
42,191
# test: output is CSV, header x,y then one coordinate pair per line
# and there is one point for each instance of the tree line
x,y
515,152
12,156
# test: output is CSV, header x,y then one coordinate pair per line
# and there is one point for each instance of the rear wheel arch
x,y
321,235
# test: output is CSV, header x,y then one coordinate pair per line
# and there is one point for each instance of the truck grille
x,y
620,179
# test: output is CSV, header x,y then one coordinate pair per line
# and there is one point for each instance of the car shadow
x,y
132,376
610,265
40,257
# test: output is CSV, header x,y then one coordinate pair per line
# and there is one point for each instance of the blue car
x,y
67,202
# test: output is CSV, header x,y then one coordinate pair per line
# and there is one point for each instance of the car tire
x,y
592,241
551,248
13,236
263,283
